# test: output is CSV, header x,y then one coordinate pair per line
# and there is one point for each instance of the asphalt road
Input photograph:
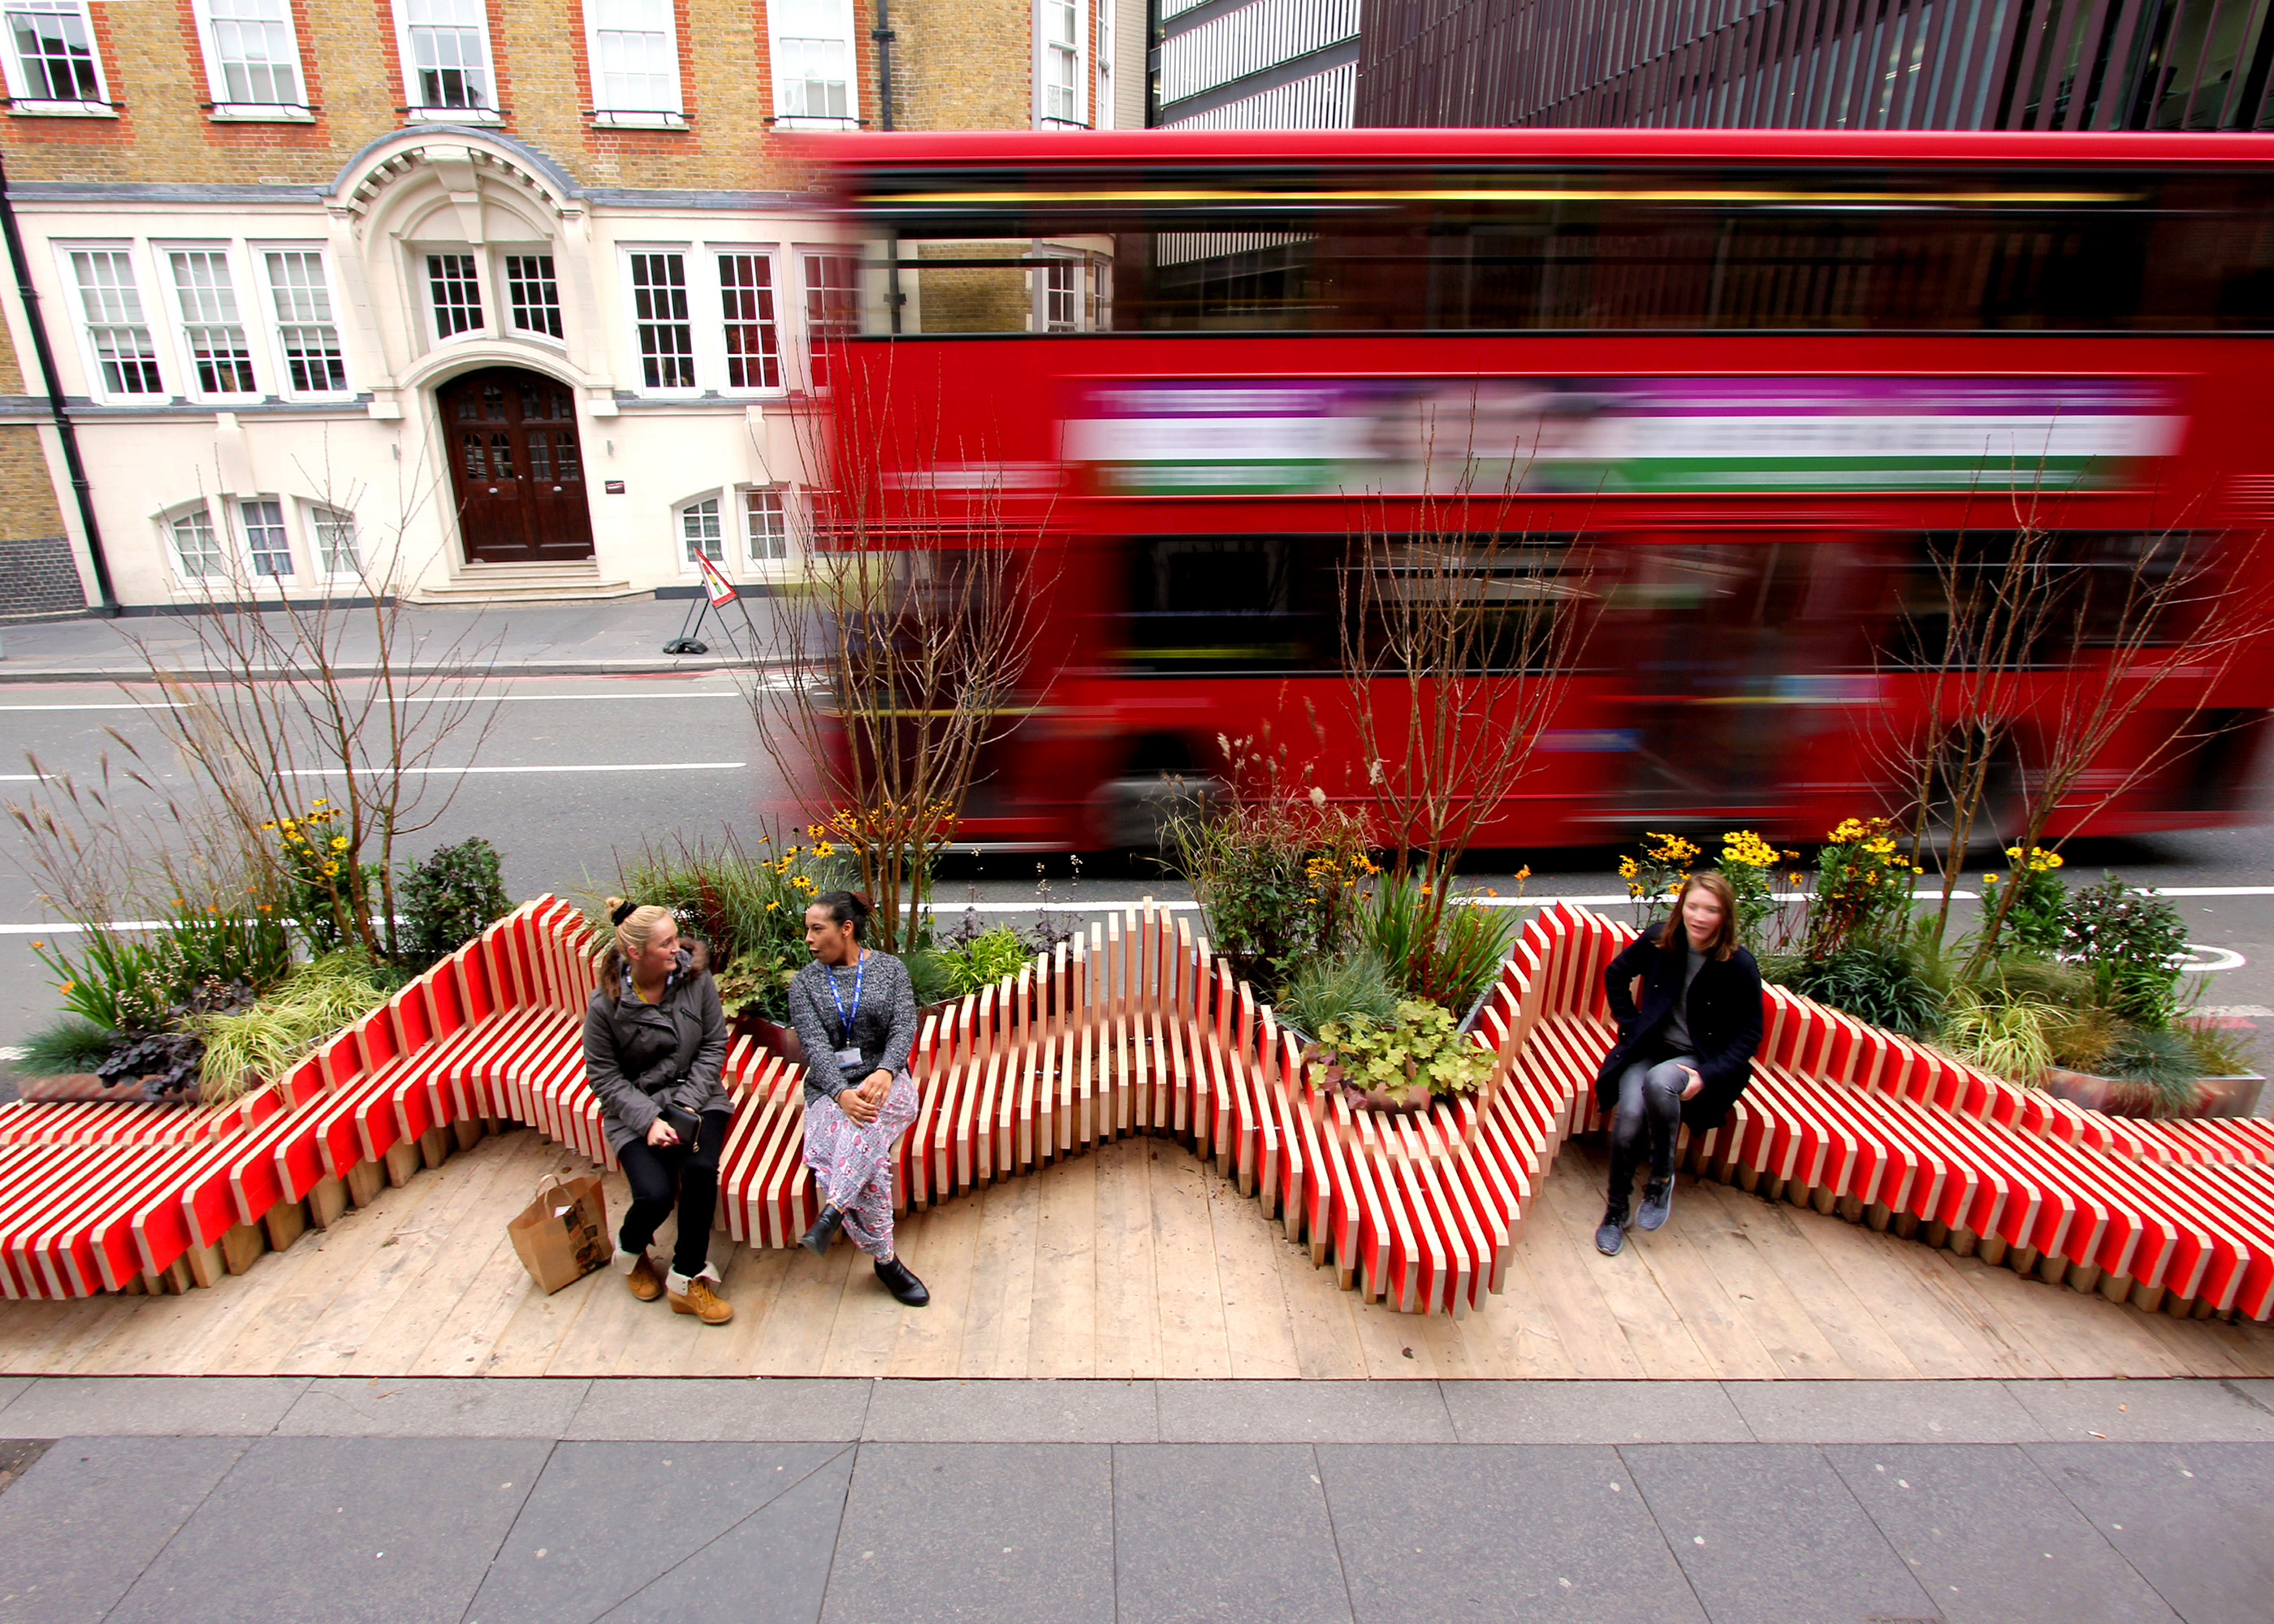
x,y
579,771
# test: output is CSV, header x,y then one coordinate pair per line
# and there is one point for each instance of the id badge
x,y
847,1058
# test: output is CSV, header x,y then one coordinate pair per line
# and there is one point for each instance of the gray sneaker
x,y
1612,1233
1657,1203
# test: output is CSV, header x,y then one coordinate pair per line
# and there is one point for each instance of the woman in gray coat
x,y
855,1014
655,1043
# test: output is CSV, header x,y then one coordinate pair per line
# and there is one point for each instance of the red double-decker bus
x,y
1760,380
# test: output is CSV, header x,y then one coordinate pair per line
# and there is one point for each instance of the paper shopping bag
x,y
562,1236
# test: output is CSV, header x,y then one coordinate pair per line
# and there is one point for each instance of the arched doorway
x,y
516,467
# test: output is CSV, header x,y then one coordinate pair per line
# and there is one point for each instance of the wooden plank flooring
x,y
1135,1259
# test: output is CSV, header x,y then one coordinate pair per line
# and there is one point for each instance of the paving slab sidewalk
x,y
787,1500
615,636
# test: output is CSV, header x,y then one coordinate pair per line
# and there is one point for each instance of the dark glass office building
x,y
1842,64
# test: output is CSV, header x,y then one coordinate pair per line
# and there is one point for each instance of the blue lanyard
x,y
844,1021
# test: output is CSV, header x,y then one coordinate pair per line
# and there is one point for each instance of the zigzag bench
x,y
1136,1028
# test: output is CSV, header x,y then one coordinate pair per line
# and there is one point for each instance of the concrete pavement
x,y
623,636
487,1502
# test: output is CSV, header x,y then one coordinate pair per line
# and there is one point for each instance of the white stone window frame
x,y
240,538
312,517
225,110
169,547
248,318
415,113
706,318
151,291
803,254
499,275
606,118
752,560
21,101
848,30
271,325
487,283
1048,56
727,528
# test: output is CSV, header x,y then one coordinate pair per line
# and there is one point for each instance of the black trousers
x,y
1649,1118
664,1175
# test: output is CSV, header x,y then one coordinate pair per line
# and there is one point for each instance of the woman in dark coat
x,y
1685,1055
655,1043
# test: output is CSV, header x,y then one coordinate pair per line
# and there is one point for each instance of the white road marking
x,y
2202,960
333,773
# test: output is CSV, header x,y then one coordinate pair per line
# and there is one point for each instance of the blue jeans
x,y
1649,1118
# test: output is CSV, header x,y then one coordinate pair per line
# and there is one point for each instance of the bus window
x,y
1200,605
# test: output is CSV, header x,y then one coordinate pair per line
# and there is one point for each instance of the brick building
x,y
521,294
1840,64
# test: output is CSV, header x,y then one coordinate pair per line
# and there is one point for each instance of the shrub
x,y
2037,920
451,898
2130,942
2221,1051
1750,864
1354,987
65,1045
114,982
929,977
1275,877
216,943
1450,968
1422,1054
246,1050
1654,874
2006,1037
749,908
2081,1038
2162,1059
1862,890
329,890
1875,982
984,959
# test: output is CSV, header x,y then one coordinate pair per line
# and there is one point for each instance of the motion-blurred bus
x,y
1757,379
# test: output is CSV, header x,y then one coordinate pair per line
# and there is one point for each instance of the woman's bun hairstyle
x,y
620,909
848,907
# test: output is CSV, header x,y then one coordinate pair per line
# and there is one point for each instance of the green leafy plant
x,y
204,943
1352,986
749,905
1884,983
1655,872
449,899
1449,967
329,891
1861,891
2220,1051
114,982
1751,865
928,977
1423,1053
2131,944
249,1048
2038,917
2082,1037
984,959
66,1045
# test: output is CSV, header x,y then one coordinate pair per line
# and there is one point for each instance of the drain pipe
x,y
105,602
884,36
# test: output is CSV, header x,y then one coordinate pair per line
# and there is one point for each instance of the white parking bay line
x,y
329,772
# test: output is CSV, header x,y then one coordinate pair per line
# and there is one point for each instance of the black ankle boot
x,y
902,1283
817,1239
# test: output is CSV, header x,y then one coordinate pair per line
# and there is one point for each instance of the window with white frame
x,y
253,61
699,532
334,532
746,302
446,54
220,356
51,60
765,524
660,314
832,307
117,330
1062,281
1061,39
307,333
197,550
634,56
455,283
532,294
813,59
265,544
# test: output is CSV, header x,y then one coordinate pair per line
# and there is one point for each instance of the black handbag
x,y
687,1124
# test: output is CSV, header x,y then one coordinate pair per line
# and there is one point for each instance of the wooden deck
x,y
1134,1260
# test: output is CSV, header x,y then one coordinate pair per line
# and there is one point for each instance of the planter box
x,y
2215,1096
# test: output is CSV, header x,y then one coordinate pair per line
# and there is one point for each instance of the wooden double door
x,y
516,467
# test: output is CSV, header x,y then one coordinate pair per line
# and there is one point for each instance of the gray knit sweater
x,y
884,1029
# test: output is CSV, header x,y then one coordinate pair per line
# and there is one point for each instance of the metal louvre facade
x,y
1852,65
1257,65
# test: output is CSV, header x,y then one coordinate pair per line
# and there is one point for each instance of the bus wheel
x,y
1132,814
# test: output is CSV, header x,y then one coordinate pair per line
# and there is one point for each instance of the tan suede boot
x,y
646,1284
700,1300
